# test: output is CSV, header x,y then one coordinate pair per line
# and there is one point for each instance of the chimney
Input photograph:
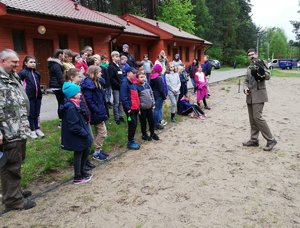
x,y
157,25
76,4
127,21
179,29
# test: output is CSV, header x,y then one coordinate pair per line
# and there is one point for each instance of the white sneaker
x,y
163,122
33,135
40,133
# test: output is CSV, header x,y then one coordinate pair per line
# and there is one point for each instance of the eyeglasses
x,y
251,54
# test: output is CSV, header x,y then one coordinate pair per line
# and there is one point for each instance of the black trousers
x,y
60,99
132,123
80,158
34,114
147,115
11,173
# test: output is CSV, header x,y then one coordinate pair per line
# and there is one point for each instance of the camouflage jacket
x,y
14,124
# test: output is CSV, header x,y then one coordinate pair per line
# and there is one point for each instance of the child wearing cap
x,y
131,103
146,107
75,132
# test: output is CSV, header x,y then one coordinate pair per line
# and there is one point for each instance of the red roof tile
x,y
129,28
60,8
169,28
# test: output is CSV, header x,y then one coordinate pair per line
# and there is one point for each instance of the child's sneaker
x,y
99,156
154,136
33,135
105,154
133,145
87,176
40,133
146,137
163,122
81,180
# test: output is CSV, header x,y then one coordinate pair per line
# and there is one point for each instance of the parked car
x,y
283,63
215,63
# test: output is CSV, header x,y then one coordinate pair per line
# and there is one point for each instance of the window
x,y
187,54
19,40
63,41
85,41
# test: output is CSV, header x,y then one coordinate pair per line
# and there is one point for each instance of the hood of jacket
x,y
52,61
87,83
153,76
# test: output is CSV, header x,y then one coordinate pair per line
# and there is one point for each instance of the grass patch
x,y
285,73
46,161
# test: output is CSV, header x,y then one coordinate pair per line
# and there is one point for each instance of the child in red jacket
x,y
131,103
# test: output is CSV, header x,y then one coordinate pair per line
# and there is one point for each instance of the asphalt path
x,y
49,103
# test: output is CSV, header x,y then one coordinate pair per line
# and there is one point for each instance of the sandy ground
x,y
197,175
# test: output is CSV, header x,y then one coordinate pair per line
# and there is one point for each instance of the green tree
x,y
278,44
178,13
203,20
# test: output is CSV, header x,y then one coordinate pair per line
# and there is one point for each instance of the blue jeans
x,y
107,92
157,113
117,105
194,84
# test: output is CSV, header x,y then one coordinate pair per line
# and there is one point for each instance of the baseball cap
x,y
130,69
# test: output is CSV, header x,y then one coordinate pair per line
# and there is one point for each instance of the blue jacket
x,y
75,130
129,95
94,99
31,81
206,68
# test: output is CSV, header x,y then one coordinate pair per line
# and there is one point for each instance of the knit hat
x,y
70,89
157,68
125,46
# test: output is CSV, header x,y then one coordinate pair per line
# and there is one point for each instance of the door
x,y
43,49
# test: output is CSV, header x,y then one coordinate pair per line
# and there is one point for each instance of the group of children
x,y
83,100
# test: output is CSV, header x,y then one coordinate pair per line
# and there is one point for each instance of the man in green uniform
x,y
256,96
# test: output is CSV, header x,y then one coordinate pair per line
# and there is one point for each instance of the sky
x,y
276,13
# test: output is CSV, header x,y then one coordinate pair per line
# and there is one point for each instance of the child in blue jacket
x,y
131,104
93,94
31,80
75,132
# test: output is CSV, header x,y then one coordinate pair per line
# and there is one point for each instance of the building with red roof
x,y
38,27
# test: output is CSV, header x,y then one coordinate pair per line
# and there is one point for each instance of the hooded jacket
x,y
129,95
75,131
56,73
94,100
31,81
157,85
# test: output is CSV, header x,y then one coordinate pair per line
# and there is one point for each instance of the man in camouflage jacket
x,y
256,96
14,129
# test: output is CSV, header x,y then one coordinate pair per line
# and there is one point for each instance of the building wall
x,y
7,26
